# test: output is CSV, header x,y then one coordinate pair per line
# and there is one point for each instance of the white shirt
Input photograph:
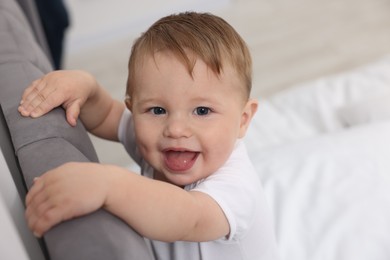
x,y
237,190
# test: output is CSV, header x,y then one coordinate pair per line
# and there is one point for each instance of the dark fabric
x,y
55,20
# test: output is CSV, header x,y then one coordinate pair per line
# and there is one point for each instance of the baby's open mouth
x,y
177,160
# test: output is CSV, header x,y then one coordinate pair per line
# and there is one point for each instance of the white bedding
x,y
322,151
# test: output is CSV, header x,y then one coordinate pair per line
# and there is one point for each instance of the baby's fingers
x,y
35,189
42,221
72,113
30,93
29,89
39,99
41,209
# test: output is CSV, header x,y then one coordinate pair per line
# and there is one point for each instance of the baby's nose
x,y
177,127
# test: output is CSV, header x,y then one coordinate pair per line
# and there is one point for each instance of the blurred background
x,y
291,41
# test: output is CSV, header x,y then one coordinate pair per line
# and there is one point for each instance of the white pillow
x,y
367,111
330,194
312,108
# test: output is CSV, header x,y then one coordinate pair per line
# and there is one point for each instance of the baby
x,y
188,108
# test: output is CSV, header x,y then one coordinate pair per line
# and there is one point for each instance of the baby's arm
x,y
155,209
165,212
80,95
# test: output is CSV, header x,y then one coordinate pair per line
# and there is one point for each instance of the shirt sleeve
x,y
126,136
236,188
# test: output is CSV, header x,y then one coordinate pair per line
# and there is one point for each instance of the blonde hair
x,y
207,36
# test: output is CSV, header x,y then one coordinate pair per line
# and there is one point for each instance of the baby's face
x,y
186,127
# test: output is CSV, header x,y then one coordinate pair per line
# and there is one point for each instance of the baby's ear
x,y
247,115
128,102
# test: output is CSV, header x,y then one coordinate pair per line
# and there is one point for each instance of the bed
x,y
322,150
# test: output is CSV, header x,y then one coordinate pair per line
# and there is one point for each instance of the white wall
x,y
95,22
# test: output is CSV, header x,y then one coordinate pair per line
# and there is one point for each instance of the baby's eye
x,y
202,111
157,110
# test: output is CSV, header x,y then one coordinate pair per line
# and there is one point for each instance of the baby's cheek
x,y
218,156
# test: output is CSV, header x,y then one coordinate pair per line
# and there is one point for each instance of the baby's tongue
x,y
180,161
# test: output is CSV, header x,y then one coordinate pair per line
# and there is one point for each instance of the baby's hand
x,y
67,88
66,192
